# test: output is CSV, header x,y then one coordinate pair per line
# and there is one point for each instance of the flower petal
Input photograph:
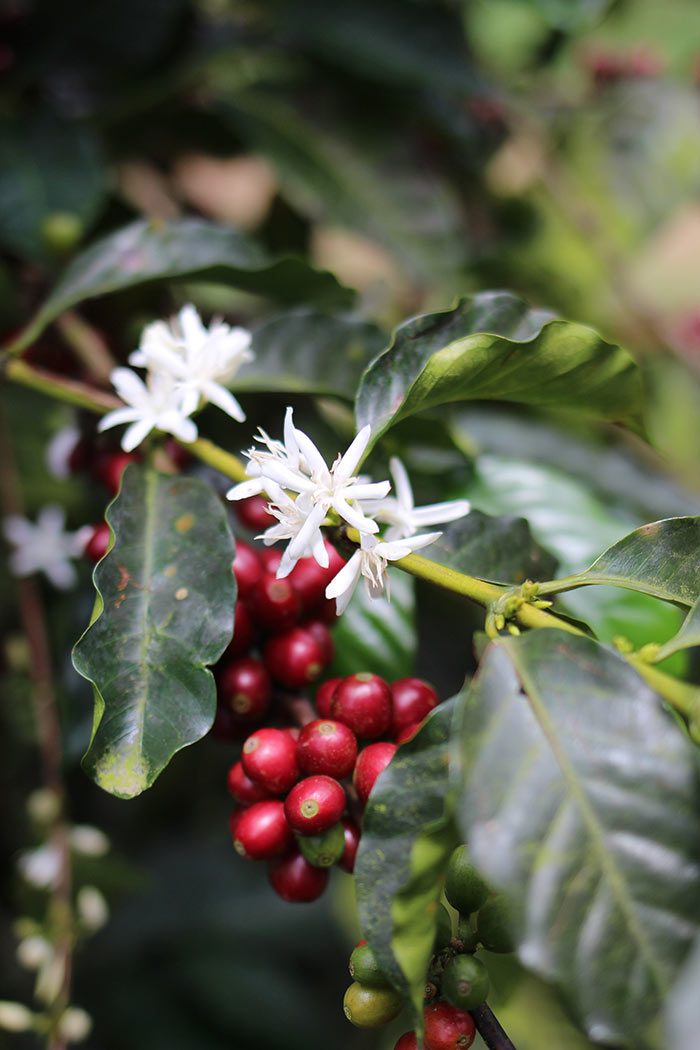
x,y
350,461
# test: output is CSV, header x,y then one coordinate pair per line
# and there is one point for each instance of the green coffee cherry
x,y
464,887
365,968
465,982
443,931
370,1007
493,924
323,850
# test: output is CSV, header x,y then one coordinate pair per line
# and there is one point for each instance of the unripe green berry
x,y
365,968
464,888
465,982
493,925
369,1007
323,850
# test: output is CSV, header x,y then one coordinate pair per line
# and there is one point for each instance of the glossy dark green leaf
x,y
309,352
495,347
499,549
683,1009
153,251
579,798
47,166
375,634
660,559
403,851
166,610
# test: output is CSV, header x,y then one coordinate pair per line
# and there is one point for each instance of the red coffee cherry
x,y
294,659
96,546
370,763
309,580
408,1041
324,695
363,702
270,558
108,468
412,700
327,747
447,1028
295,880
269,758
314,805
324,638
243,789
352,841
243,632
253,513
247,568
274,605
244,686
263,832
234,819
227,727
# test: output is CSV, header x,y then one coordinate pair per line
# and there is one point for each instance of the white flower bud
x,y
50,979
44,806
88,840
15,1018
75,1024
33,952
41,867
92,907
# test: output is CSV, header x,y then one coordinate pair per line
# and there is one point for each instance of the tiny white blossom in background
x,y
297,465
89,841
153,405
41,867
370,561
199,359
45,546
60,449
403,517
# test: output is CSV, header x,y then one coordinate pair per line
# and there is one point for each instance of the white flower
x,y
14,1017
75,1024
297,465
199,359
155,404
41,867
404,518
89,841
45,546
370,561
60,449
92,907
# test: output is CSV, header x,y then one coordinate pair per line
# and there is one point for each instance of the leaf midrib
x,y
616,879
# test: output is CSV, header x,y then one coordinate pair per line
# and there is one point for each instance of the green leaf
x,y
153,251
309,352
403,851
688,636
660,559
502,549
683,1009
47,166
579,800
167,610
377,634
495,347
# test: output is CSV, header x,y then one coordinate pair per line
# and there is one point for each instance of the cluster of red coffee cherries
x,y
301,791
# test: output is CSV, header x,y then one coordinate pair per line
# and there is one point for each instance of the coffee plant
x,y
349,496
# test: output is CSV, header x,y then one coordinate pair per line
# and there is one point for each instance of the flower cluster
x,y
305,493
186,366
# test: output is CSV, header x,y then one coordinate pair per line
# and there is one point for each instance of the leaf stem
x,y
682,696
82,395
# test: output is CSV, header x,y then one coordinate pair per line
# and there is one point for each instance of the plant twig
x,y
90,346
48,728
490,1030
